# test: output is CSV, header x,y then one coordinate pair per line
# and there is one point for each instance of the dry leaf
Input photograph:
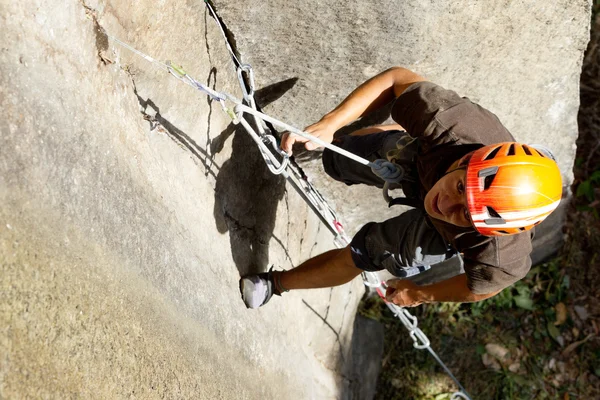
x,y
581,312
561,314
499,352
514,367
397,383
490,362
575,345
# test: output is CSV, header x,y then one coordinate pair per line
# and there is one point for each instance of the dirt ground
x,y
539,339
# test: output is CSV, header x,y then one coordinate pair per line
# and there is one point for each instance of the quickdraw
x,y
268,147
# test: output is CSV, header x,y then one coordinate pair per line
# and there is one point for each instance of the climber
x,y
481,193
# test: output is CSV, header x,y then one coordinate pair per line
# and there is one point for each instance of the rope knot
x,y
388,171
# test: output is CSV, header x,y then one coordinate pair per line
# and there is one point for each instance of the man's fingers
x,y
287,142
394,283
289,139
390,294
310,145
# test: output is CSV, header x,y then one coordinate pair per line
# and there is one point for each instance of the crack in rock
x,y
101,37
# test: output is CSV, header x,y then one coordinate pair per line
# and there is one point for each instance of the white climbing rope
x,y
386,170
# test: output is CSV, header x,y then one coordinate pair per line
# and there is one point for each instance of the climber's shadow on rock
x,y
247,193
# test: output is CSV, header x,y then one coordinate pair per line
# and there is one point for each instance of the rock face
x,y
129,207
519,60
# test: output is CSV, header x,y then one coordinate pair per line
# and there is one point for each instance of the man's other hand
x,y
403,293
322,129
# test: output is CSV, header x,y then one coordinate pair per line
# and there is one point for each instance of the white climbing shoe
x,y
257,289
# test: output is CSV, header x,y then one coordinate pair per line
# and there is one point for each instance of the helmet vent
x,y
540,153
488,181
493,213
503,232
527,150
495,219
492,153
488,174
511,150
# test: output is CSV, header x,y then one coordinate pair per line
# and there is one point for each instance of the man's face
x,y
447,200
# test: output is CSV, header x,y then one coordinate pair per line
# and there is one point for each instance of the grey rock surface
x,y
129,207
520,60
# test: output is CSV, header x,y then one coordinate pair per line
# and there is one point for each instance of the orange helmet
x,y
511,187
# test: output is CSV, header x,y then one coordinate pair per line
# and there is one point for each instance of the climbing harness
x,y
285,166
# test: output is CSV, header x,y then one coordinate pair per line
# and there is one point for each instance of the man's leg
x,y
370,143
376,129
332,268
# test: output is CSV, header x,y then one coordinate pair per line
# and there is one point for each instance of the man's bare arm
x,y
406,293
371,95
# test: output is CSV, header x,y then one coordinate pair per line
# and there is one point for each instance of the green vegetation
x,y
541,347
540,338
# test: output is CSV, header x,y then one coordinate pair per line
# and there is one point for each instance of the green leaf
x,y
522,289
549,313
552,330
520,380
595,176
566,283
586,189
524,301
480,349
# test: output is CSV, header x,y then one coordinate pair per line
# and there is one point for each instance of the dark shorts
x,y
407,245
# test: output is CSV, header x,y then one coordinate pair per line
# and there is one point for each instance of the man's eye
x,y
460,187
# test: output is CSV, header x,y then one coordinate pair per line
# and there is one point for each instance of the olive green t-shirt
x,y
449,126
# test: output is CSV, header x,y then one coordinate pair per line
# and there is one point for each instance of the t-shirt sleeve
x,y
484,279
509,261
418,105
440,116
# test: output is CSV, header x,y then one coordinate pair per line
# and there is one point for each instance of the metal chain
x,y
311,195
410,322
383,169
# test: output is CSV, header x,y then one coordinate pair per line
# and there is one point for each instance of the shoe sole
x,y
246,290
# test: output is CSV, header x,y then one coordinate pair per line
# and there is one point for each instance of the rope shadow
x,y
158,122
